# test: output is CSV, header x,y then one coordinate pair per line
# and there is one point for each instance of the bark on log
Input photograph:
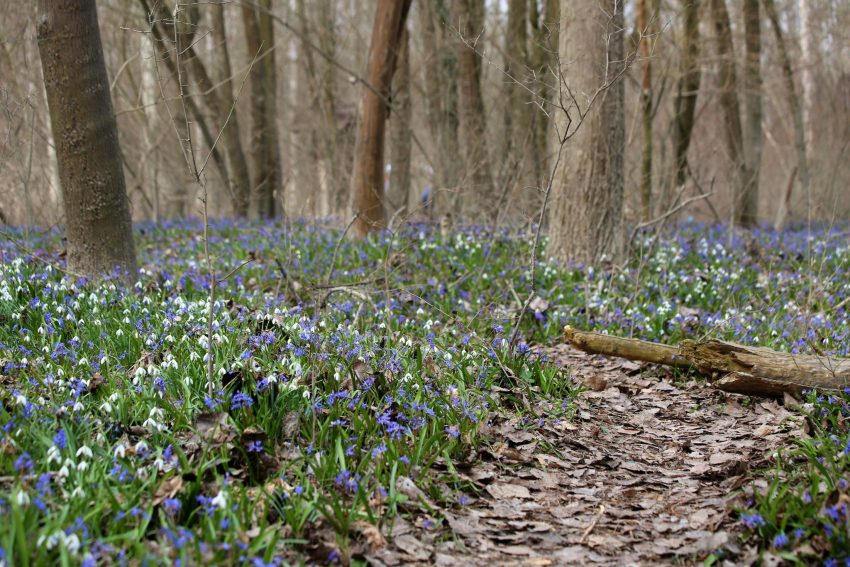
x,y
729,366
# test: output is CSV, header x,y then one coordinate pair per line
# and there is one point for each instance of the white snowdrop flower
x,y
306,394
119,451
77,492
141,447
41,330
103,360
169,339
78,406
72,543
22,498
194,356
53,454
140,372
119,332
85,452
106,407
83,466
20,399
113,397
83,361
63,473
220,500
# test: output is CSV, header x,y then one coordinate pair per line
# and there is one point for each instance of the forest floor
x,y
649,473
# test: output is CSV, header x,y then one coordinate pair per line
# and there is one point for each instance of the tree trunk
x,y
442,103
99,227
646,110
685,103
400,139
265,148
731,108
753,135
587,193
517,98
796,112
469,16
544,33
730,366
807,68
239,179
367,181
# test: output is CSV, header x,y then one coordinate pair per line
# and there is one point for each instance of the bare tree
x,y
99,228
367,181
796,113
400,135
585,224
687,90
753,130
265,146
731,108
469,15
441,93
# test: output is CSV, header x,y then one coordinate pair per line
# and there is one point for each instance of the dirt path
x,y
646,474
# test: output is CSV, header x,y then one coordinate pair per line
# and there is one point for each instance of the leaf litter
x,y
648,472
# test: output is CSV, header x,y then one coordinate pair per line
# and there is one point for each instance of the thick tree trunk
x,y
796,112
753,135
587,194
731,108
367,182
469,15
442,103
400,139
265,148
685,103
239,179
731,367
99,228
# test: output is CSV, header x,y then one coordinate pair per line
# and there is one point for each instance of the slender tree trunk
x,y
517,98
731,108
149,94
796,110
753,134
585,222
400,139
442,102
99,227
473,127
646,110
367,181
239,180
544,50
685,103
265,148
807,68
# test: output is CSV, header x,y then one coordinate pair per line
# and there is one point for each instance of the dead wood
x,y
730,366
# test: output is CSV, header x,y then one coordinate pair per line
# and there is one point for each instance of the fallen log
x,y
729,366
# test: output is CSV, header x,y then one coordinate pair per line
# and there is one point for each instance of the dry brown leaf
x,y
168,488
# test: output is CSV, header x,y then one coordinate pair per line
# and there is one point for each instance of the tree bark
x,y
587,193
367,181
753,134
796,113
99,227
469,15
808,48
685,103
643,25
239,179
441,88
544,26
265,147
731,108
400,139
517,99
730,366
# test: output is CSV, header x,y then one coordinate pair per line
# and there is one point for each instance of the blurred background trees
x,y
746,99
